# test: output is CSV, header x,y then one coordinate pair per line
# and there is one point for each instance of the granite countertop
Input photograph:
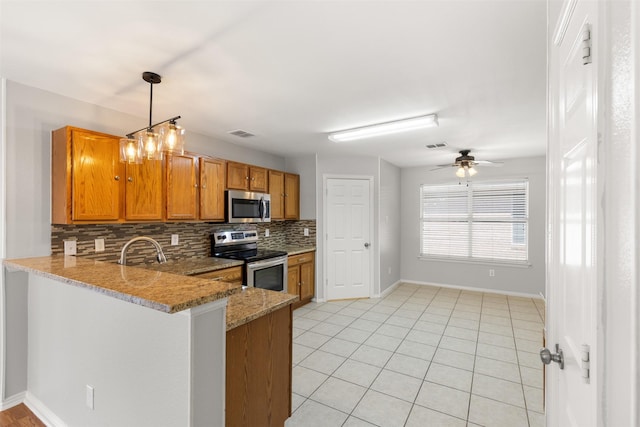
x,y
297,250
193,266
253,303
158,290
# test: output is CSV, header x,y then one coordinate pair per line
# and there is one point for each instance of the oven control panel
x,y
222,238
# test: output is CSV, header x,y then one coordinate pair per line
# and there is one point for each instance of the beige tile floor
x,y
421,356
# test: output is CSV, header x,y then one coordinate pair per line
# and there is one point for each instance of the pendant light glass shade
x,y
151,144
460,172
172,138
130,151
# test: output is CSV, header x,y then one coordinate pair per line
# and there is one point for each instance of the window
x,y
484,221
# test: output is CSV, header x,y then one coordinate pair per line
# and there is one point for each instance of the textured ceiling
x,y
292,71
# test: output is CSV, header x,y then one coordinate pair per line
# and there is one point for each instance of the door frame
x,y
324,238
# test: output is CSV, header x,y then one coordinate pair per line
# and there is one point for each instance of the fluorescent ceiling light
x,y
385,128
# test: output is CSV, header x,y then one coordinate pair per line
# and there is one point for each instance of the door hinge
x,y
586,45
586,364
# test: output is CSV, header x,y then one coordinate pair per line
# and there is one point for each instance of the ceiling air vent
x,y
241,133
438,145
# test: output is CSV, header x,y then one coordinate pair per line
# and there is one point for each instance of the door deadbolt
x,y
547,357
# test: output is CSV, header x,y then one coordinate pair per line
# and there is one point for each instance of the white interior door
x,y
572,286
349,245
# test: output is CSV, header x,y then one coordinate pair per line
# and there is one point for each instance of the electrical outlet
x,y
266,233
305,231
69,247
389,270
89,397
492,272
174,239
99,245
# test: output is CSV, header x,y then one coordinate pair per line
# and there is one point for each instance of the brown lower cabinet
x,y
258,383
301,277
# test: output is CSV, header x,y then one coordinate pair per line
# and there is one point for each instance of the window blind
x,y
481,221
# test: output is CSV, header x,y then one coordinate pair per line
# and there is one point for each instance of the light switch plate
x,y
174,239
90,396
306,231
99,245
266,233
69,247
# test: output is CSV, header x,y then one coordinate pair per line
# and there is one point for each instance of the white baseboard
x,y
12,401
43,412
390,289
470,288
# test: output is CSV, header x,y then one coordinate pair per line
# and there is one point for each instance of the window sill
x,y
477,262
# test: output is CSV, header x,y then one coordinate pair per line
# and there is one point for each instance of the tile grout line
x,y
524,397
405,298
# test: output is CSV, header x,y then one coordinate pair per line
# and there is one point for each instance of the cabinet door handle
x,y
204,186
130,179
117,177
196,185
247,178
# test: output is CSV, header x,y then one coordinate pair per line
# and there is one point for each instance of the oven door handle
x,y
267,263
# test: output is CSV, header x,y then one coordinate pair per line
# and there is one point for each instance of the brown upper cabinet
x,y
241,176
212,185
182,186
291,196
86,176
91,185
276,190
144,191
284,189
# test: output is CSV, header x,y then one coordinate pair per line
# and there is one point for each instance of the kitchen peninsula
x,y
127,346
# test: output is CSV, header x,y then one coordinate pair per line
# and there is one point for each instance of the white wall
x,y
144,365
389,240
507,278
305,166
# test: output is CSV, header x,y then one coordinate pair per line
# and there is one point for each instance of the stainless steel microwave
x,y
247,206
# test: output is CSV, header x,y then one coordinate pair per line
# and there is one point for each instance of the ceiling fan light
x,y
386,128
460,172
472,171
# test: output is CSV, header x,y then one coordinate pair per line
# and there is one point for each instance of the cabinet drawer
x,y
301,258
230,275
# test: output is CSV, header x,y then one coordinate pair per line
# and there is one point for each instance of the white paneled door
x,y
349,246
573,215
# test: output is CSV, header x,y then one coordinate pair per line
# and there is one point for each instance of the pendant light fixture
x,y
150,142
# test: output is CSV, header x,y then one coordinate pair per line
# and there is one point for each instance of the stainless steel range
x,y
263,268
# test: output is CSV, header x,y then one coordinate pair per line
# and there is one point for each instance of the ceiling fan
x,y
465,164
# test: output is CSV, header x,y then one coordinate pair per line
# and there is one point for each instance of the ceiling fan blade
x,y
438,167
488,163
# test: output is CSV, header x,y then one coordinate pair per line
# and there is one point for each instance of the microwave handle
x,y
263,208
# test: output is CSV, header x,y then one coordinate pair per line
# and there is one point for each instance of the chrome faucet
x,y
160,255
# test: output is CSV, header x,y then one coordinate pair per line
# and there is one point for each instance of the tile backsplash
x,y
193,237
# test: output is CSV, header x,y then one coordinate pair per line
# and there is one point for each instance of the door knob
x,y
547,357
366,245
